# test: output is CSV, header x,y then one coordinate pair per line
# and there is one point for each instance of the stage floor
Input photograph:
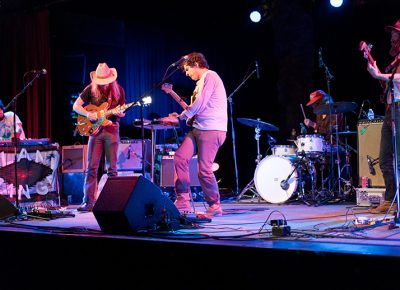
x,y
238,250
341,227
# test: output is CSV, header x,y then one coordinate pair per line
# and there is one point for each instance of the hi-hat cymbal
x,y
258,124
347,132
335,108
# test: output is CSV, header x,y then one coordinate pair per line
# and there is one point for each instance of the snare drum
x,y
310,144
284,150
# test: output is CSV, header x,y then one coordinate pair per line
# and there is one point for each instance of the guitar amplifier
x,y
167,171
369,137
129,156
74,158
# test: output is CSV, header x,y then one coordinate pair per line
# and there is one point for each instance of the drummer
x,y
323,122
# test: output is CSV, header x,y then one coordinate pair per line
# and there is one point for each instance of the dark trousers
x,y
386,163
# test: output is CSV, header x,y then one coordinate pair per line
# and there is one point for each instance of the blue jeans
x,y
206,145
106,140
386,152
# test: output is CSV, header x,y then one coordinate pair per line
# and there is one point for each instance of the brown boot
x,y
182,203
383,207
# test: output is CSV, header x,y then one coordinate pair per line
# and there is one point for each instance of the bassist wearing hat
x,y
392,94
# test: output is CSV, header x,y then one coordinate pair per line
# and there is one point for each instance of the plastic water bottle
x,y
370,114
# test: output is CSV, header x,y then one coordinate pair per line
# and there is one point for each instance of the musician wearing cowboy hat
x,y
102,93
322,121
392,100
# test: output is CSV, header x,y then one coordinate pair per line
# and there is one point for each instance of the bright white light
x,y
336,3
146,100
255,16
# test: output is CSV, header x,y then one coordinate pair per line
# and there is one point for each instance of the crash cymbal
x,y
258,124
347,132
335,108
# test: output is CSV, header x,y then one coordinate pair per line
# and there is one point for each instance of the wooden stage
x,y
332,244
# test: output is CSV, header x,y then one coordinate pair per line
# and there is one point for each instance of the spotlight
x,y
259,12
255,16
336,3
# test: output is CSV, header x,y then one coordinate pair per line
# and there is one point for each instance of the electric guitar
x,y
87,127
168,89
366,49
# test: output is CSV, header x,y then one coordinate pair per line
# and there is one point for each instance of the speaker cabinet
x,y
130,154
133,203
369,138
167,171
74,158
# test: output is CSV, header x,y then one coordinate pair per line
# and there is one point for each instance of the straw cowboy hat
x,y
316,96
103,74
396,27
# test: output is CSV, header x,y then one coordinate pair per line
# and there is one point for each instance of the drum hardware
x,y
258,126
285,182
335,108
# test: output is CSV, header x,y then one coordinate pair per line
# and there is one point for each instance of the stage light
x,y
259,12
255,16
336,3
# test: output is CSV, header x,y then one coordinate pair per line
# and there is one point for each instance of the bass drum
x,y
270,176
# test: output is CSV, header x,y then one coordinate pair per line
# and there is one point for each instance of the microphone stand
x,y
329,77
233,129
14,138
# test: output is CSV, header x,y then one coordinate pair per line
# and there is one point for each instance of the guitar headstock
x,y
365,48
166,88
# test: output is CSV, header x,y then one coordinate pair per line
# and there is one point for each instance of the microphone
x,y
370,165
321,63
257,71
361,109
284,185
183,58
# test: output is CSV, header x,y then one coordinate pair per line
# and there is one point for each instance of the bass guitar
x,y
366,49
87,127
168,89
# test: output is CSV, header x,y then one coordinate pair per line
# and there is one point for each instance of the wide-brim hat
x,y
316,96
396,27
103,74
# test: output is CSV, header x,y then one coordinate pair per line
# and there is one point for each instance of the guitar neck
x,y
116,110
178,99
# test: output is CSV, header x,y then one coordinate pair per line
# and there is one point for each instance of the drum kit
x,y
291,170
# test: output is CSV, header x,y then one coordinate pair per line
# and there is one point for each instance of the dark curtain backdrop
x,y
142,44
25,46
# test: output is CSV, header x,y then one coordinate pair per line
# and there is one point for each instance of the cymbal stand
x,y
251,186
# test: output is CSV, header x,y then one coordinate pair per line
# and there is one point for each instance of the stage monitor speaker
x,y
129,204
7,209
74,158
369,138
